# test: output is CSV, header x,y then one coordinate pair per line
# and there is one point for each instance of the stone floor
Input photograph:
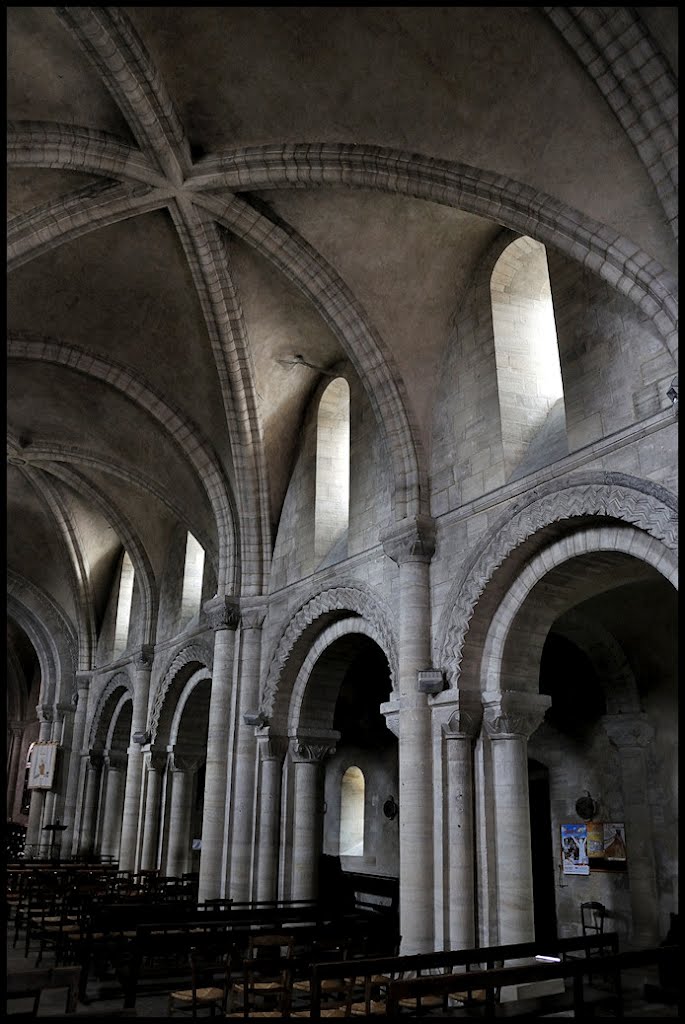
x,y
105,997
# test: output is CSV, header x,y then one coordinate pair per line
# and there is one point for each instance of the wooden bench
x,y
25,985
580,998
374,972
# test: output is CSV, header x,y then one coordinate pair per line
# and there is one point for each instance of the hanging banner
x,y
574,854
42,765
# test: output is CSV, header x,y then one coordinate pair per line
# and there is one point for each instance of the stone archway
x,y
565,574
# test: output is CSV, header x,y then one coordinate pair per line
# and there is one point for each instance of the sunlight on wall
x,y
526,351
192,580
125,598
331,514
352,813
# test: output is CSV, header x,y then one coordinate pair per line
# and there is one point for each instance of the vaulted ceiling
x,y
196,195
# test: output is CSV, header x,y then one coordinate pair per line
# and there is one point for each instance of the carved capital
x,y
144,657
253,612
116,761
222,613
65,708
411,540
391,711
461,725
507,714
156,759
313,748
629,730
83,680
185,762
271,746
46,714
94,760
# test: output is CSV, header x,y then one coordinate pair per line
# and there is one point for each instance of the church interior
x,y
342,450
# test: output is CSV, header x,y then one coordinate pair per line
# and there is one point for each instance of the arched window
x,y
123,617
332,507
193,571
529,383
352,813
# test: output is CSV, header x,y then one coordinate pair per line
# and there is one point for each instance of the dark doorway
x,y
542,853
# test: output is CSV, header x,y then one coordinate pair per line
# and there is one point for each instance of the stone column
x,y
62,728
37,845
90,802
155,762
13,758
113,799
181,770
70,839
459,732
224,617
272,750
242,805
509,718
128,853
411,544
631,734
308,754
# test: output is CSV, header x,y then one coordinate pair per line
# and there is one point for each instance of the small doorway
x,y
542,853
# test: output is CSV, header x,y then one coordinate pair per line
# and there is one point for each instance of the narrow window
x,y
124,600
352,813
191,595
331,515
529,380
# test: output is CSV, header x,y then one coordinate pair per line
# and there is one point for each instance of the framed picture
x,y
574,856
43,765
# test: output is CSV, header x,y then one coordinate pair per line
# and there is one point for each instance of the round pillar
x,y
115,781
411,544
70,837
181,773
458,733
134,770
272,751
308,755
155,763
224,617
509,719
90,801
243,805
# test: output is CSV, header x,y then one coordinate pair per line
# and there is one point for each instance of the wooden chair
x,y
210,982
266,985
25,985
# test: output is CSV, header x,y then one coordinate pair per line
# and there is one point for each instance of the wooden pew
x,y
24,985
580,998
393,967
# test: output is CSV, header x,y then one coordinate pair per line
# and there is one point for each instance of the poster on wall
x,y
615,841
595,839
574,854
42,765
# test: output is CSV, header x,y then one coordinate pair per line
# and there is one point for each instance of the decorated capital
x,y
411,540
222,613
510,713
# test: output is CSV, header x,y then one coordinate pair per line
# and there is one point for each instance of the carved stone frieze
x,y
222,613
411,540
194,653
351,599
615,497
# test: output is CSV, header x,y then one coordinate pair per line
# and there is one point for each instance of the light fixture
x,y
672,392
586,807
141,737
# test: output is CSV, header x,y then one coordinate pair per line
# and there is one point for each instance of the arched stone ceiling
x,y
159,271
